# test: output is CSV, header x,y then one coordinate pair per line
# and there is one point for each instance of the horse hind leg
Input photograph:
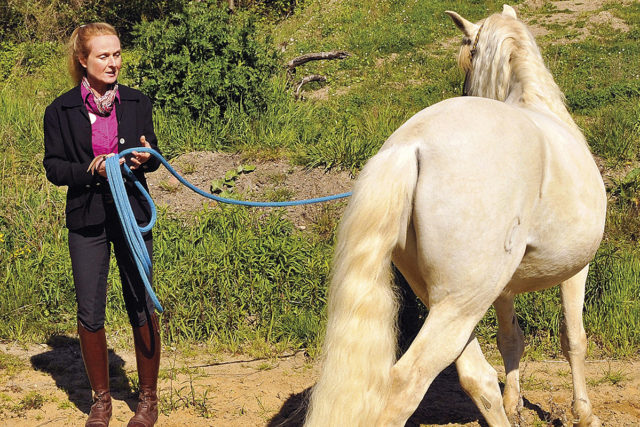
x,y
574,346
477,377
511,346
480,381
439,342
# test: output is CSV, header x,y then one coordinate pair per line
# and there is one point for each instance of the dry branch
x,y
304,81
334,54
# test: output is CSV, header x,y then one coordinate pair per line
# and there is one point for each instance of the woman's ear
x,y
83,61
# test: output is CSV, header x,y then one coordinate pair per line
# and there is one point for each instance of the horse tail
x,y
360,343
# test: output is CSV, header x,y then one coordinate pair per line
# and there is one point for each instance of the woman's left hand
x,y
139,158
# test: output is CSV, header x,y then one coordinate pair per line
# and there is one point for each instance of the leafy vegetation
x,y
226,185
203,61
233,276
52,20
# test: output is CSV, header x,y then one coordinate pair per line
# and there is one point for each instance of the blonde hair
x,y
79,46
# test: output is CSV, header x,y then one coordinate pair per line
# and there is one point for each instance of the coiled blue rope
x,y
133,232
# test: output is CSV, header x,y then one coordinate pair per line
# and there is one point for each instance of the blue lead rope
x,y
133,232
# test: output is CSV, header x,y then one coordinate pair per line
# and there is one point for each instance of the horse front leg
x,y
574,346
511,346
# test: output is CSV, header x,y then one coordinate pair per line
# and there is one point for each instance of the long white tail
x,y
360,343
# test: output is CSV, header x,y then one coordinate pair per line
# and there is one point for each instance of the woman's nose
x,y
112,61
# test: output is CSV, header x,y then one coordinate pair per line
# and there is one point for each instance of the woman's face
x,y
103,62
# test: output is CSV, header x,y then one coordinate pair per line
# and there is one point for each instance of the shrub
x,y
49,20
8,58
271,8
204,60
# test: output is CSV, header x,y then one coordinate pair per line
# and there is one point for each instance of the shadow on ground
x,y
445,403
64,363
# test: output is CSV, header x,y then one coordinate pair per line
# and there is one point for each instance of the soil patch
x,y
271,180
569,12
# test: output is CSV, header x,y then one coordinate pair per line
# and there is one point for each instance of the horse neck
x,y
532,86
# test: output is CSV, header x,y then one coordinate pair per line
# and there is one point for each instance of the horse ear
x,y
468,28
509,11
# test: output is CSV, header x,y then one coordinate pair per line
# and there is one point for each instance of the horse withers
x,y
475,199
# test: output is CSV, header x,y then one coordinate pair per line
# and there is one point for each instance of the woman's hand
x,y
139,158
99,164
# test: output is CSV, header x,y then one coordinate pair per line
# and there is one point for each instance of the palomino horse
x,y
475,199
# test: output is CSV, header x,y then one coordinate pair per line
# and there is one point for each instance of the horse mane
x,y
507,66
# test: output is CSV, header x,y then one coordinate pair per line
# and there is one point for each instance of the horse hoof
x,y
515,419
583,415
592,421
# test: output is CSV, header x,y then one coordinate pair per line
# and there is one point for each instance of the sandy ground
x,y
198,389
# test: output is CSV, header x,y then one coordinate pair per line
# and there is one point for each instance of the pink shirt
x,y
104,129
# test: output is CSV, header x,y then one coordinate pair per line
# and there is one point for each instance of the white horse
x,y
475,199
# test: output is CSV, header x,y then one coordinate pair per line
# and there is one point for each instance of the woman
x,y
94,120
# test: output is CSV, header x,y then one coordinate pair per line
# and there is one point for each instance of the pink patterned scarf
x,y
104,103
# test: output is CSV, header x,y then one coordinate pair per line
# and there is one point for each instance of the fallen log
x,y
303,59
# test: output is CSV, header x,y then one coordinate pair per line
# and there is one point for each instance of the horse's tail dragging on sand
x,y
360,344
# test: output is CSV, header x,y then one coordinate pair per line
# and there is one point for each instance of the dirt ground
x,y
233,390
271,179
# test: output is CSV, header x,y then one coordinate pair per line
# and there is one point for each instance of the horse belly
x,y
560,247
543,268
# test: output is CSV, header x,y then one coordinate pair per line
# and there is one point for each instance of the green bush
x,y
8,58
48,20
271,8
26,57
204,60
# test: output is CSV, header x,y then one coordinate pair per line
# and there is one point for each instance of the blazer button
x,y
87,186
121,140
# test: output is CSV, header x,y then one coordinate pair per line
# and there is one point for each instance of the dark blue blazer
x,y
68,151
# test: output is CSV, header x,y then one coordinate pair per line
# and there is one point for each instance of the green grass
x,y
32,400
227,276
9,364
611,376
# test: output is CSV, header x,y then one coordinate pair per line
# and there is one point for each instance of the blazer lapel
x,y
127,100
120,107
73,99
79,122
